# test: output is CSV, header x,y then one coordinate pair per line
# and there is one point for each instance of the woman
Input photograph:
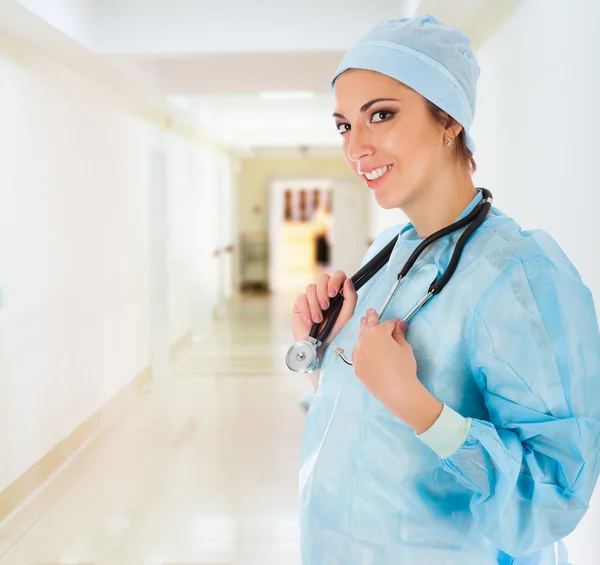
x,y
473,436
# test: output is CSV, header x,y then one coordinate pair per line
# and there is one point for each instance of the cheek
x,y
414,146
397,142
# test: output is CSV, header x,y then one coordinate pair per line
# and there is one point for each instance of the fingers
x,y
304,309
399,331
313,302
346,311
390,326
394,327
371,318
350,299
310,306
323,291
368,321
335,283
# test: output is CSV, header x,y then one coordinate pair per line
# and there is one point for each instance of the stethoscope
x,y
302,357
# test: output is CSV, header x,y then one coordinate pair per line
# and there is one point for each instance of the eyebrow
x,y
366,106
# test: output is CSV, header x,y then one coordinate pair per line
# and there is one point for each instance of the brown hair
x,y
462,152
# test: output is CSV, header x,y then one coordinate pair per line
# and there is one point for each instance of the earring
x,y
449,143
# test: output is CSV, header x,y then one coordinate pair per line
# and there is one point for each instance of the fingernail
x,y
318,318
403,326
324,305
308,321
362,320
332,292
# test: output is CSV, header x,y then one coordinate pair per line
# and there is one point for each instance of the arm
x,y
535,355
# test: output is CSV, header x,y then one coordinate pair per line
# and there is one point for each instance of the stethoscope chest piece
x,y
302,357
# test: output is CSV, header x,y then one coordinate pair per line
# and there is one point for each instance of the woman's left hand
x,y
384,361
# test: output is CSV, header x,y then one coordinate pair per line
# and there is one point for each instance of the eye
x,y
382,116
343,127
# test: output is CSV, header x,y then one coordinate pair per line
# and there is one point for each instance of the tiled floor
x,y
202,469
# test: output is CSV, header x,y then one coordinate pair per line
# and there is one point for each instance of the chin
x,y
387,205
396,194
387,200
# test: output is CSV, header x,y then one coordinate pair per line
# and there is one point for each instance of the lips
x,y
374,174
376,177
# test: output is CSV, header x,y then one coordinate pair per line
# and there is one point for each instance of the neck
x,y
440,204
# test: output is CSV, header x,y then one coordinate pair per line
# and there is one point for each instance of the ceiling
x,y
232,26
214,58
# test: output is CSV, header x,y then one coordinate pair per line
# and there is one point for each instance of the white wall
x,y
208,224
537,125
74,250
537,129
73,17
180,156
228,227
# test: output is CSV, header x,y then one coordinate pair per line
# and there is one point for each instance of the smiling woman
x,y
396,145
468,436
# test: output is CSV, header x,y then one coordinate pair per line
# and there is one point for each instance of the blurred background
x,y
170,179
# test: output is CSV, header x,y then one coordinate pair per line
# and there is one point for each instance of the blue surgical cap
x,y
432,58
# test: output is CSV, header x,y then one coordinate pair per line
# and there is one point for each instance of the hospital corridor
x,y
174,174
198,468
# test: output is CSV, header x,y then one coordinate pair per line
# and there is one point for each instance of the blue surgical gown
x,y
512,346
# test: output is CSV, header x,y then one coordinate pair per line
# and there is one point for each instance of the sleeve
x,y
535,356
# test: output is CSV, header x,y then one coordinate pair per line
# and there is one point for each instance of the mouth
x,y
376,177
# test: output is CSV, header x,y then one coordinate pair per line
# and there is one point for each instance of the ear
x,y
453,129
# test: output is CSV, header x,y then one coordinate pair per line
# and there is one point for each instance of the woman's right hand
x,y
309,307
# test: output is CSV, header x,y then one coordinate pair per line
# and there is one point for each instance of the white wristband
x,y
448,434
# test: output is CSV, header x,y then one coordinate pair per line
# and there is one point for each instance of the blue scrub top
x,y
512,348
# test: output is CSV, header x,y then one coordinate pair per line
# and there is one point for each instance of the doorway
x,y
315,224
301,228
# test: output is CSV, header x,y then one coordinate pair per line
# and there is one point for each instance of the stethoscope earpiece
x,y
340,353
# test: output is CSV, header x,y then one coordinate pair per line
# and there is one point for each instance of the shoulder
x,y
535,310
511,262
508,239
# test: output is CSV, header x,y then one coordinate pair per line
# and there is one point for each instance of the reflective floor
x,y
201,469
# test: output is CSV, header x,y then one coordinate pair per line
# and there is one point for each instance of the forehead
x,y
358,84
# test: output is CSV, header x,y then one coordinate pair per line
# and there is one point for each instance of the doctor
x,y
470,436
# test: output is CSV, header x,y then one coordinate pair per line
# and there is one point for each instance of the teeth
x,y
378,173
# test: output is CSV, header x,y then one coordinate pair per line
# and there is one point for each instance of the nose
x,y
359,144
